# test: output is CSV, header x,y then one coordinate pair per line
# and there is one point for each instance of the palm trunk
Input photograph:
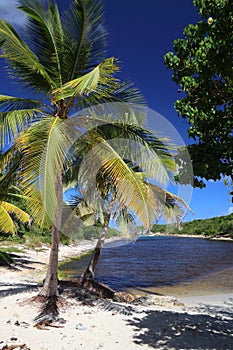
x,y
50,286
90,270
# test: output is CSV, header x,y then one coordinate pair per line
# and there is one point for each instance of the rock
x,y
21,324
3,344
16,347
24,324
61,320
123,297
80,327
88,312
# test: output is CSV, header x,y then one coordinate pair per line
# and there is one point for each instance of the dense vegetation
x,y
217,226
34,236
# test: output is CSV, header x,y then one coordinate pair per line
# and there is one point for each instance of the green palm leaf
x,y
175,207
139,146
45,31
9,175
98,78
124,92
14,121
67,48
7,225
35,207
6,159
9,103
7,209
44,146
131,190
22,60
160,147
85,37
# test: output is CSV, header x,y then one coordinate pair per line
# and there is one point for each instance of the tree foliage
x,y
214,227
202,67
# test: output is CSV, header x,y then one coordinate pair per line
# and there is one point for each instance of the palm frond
x,y
160,147
8,158
14,121
35,207
8,209
9,177
175,207
131,190
44,146
133,144
6,223
16,211
98,78
45,36
10,103
125,93
23,61
85,37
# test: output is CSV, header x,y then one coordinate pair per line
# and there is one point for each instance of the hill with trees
x,y
220,226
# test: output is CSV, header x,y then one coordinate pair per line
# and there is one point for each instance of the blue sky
x,y
139,36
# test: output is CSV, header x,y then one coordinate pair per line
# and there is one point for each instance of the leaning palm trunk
x,y
50,287
90,270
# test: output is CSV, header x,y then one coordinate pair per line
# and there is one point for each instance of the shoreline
x,y
209,284
32,263
164,322
185,235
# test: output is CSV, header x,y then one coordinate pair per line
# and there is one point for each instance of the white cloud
x,y
10,13
230,210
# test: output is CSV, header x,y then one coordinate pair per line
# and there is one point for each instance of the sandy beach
x,y
184,321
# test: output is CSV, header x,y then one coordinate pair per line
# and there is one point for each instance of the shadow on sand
x,y
20,263
7,289
173,330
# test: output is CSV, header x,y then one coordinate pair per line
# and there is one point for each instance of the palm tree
x,y
62,61
174,208
110,169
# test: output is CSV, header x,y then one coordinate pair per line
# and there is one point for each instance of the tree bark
x,y
90,270
50,286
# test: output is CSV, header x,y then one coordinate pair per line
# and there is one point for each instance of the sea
x,y
164,264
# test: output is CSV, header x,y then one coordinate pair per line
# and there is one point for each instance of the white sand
x,y
197,322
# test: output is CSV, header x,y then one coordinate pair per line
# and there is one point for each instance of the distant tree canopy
x,y
202,67
214,227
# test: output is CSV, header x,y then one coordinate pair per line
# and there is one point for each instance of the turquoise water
x,y
158,261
